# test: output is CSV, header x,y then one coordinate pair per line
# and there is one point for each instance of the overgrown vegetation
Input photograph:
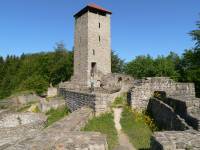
x,y
56,114
104,124
120,101
138,127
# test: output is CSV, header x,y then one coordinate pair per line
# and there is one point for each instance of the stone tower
x,y
92,45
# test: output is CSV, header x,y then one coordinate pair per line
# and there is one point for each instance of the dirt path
x,y
123,139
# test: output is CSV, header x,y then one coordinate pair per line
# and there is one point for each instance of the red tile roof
x,y
99,8
92,7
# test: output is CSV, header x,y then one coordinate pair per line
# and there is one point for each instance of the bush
x,y
104,124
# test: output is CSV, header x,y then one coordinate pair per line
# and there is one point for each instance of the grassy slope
x,y
138,132
56,114
105,125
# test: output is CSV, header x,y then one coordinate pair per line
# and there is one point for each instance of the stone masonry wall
x,y
143,89
176,140
64,134
165,117
99,102
75,100
81,49
188,109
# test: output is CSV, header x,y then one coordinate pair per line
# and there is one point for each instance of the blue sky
x,y
139,27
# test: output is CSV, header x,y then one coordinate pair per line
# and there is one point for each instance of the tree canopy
x,y
34,72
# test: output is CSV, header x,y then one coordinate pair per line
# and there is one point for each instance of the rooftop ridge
x,y
93,7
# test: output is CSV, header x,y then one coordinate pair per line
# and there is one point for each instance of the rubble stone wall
x,y
75,100
99,102
143,89
176,140
165,117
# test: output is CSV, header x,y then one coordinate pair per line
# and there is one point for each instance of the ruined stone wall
x,y
99,102
165,116
75,100
176,140
64,134
144,89
188,109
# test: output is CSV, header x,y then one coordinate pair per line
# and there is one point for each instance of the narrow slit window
x,y
99,38
99,25
93,52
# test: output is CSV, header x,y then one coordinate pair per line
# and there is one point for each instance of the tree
x,y
141,66
196,34
190,63
35,72
166,66
117,65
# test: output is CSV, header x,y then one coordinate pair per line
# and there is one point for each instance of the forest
x,y
36,72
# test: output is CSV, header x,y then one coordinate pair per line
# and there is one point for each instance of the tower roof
x,y
93,8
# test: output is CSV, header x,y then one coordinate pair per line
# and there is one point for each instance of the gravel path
x,y
123,138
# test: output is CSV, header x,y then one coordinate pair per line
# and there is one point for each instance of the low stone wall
x,y
165,117
29,120
176,140
64,134
188,109
104,101
143,89
99,102
19,100
76,100
51,103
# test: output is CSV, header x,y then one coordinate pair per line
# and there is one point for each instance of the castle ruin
x,y
91,91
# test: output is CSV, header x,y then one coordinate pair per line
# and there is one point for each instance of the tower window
x,y
99,38
93,52
99,25
93,68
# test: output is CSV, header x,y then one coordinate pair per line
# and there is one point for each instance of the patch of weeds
x,y
27,106
104,124
56,114
138,127
120,101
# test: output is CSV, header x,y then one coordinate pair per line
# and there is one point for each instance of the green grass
x,y
135,126
104,124
120,101
56,114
